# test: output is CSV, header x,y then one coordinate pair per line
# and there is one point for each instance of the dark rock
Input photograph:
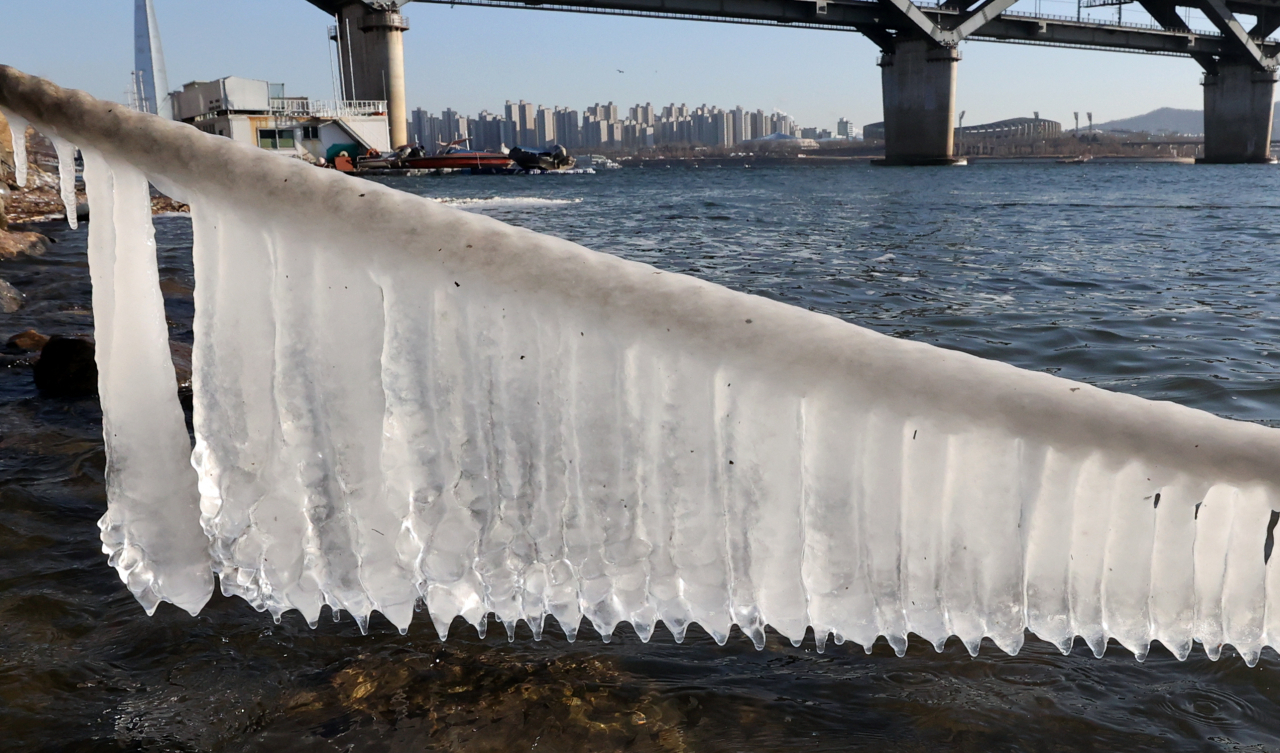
x,y
66,368
26,342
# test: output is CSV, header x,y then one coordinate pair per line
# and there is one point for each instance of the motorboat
x,y
599,162
556,158
451,156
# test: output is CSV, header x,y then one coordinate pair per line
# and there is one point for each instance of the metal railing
x,y
327,108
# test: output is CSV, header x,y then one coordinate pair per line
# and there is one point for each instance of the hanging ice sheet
x,y
399,402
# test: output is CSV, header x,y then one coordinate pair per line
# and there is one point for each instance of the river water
x,y
1158,280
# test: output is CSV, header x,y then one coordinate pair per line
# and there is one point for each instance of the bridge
x,y
920,54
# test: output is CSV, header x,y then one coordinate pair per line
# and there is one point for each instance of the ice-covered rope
x,y
399,403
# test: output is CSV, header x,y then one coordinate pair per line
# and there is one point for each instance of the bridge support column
x,y
1237,113
919,90
371,48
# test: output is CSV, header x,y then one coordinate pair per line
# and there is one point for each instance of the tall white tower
x,y
150,81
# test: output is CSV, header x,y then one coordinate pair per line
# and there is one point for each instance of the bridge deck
x,y
866,15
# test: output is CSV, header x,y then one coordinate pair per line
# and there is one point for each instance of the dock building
x,y
257,112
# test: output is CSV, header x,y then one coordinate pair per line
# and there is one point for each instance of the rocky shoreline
x,y
40,200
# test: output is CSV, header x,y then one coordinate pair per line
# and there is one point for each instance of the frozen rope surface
x,y
397,402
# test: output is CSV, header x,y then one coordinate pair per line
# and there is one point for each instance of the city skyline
x,y
608,126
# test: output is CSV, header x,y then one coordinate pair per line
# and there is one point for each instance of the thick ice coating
x,y
150,530
397,402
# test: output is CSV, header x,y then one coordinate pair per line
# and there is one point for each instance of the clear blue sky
x,y
477,58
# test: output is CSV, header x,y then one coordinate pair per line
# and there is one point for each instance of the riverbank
x,y
812,159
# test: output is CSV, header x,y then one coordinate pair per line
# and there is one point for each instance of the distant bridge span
x,y
919,42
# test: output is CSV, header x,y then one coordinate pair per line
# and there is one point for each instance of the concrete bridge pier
x,y
1238,101
919,89
371,48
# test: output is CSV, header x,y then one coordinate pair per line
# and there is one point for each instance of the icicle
x,y
67,177
397,403
151,528
18,129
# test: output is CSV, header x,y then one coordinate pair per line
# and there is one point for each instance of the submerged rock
x,y
11,298
18,243
66,367
26,341
181,354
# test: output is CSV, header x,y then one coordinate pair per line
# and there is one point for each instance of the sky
x,y
477,58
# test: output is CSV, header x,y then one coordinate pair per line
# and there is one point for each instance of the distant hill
x,y
1166,120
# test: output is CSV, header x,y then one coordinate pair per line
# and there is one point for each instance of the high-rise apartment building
x,y
528,123
595,132
487,134
782,123
737,119
523,118
545,124
452,126
607,113
511,113
424,128
508,132
722,128
643,114
568,130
